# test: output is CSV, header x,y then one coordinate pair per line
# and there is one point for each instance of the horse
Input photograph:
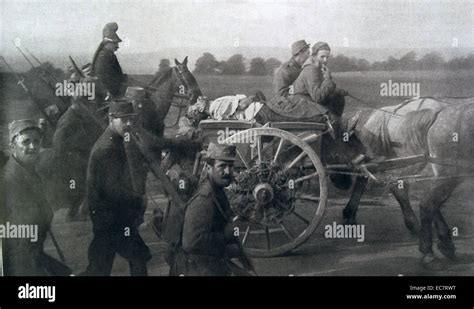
x,y
175,83
441,130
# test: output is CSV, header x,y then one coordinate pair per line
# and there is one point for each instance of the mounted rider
x,y
105,64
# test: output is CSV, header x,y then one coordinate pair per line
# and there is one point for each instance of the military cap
x,y
121,108
319,46
135,93
224,152
109,32
298,46
16,127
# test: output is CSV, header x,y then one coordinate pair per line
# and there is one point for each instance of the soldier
x,y
289,71
315,84
115,196
26,204
105,64
207,239
75,134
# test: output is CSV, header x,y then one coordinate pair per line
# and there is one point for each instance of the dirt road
x,y
388,248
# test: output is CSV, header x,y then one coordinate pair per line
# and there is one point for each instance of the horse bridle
x,y
179,73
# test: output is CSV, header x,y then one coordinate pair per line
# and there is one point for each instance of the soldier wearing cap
x,y
114,195
207,238
315,83
289,71
316,91
105,64
26,204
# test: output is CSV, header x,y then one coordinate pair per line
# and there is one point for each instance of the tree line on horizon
x,y
207,64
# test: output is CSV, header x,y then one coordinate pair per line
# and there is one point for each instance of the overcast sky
x,y
65,26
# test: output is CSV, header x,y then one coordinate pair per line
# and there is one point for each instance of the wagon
x,y
280,189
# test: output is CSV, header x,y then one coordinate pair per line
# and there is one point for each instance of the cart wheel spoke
x,y
259,148
297,215
277,153
267,235
244,160
287,231
246,235
296,160
315,174
308,198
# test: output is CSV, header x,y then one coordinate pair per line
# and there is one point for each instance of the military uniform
x,y
285,76
204,243
26,204
73,140
312,88
114,208
105,64
109,72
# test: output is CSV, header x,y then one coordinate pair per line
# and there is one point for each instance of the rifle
x,y
28,93
156,170
41,76
248,268
41,64
78,70
56,245
79,103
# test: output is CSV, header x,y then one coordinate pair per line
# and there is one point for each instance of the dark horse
x,y
433,127
177,83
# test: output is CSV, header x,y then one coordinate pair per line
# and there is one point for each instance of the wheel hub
x,y
263,194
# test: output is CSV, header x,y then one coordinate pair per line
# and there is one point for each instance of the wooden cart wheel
x,y
279,193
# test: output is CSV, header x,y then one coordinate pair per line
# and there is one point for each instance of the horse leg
x,y
445,243
401,195
437,196
350,211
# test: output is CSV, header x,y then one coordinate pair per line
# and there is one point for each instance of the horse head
x,y
187,79
177,82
